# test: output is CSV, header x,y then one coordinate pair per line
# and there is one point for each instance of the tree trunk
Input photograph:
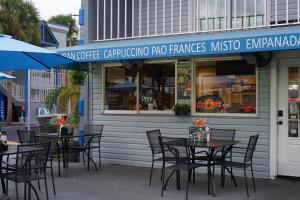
x,y
9,100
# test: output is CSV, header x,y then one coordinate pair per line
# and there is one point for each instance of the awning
x,y
254,40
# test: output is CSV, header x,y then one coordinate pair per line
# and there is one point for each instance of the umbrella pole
x,y
28,100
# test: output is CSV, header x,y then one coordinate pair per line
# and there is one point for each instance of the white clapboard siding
x,y
125,140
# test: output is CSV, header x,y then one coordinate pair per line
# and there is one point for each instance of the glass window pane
x,y
120,88
293,99
157,86
225,87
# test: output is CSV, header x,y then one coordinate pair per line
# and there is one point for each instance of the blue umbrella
x,y
18,55
5,76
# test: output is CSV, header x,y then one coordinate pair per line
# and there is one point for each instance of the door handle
x,y
280,122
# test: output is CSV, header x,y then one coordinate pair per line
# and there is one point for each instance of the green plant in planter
x,y
177,109
183,109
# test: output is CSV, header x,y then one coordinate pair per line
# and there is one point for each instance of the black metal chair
x,y
53,151
92,129
27,137
26,167
155,148
248,157
92,142
178,149
226,152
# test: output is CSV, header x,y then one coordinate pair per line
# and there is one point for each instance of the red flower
x,y
61,121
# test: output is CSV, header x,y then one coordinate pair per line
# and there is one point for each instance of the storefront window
x,y
120,88
157,86
225,87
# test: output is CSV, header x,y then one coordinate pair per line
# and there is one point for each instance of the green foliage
x,y
77,77
51,98
71,23
66,94
74,119
183,109
20,19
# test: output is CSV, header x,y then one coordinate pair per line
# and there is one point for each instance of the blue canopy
x,y
18,55
5,76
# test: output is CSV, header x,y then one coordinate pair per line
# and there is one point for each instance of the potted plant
x,y
177,109
183,109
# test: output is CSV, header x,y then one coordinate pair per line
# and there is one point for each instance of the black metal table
x,y
211,146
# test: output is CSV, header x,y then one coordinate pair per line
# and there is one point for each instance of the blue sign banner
x,y
265,39
2,107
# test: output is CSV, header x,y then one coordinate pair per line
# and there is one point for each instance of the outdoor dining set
x,y
186,154
29,161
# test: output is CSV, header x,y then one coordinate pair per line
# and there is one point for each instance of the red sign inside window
x,y
209,104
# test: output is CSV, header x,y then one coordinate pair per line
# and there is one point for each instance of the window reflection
x,y
157,86
210,14
120,89
225,87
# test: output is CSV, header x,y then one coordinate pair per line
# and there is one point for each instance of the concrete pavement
x,y
114,182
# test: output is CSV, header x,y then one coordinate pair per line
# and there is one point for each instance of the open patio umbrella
x,y
5,76
18,55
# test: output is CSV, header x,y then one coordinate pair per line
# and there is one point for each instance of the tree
x,y
20,19
71,23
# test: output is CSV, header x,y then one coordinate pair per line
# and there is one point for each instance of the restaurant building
x,y
236,63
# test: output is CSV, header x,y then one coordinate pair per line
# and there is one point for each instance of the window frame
x,y
193,107
137,111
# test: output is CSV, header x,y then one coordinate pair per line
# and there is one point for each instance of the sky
x,y
48,8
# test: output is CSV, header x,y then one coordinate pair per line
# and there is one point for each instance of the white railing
x,y
39,95
47,79
124,19
18,91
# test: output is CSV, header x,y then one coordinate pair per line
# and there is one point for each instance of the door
x,y
289,117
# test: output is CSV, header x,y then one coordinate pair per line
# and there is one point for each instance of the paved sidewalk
x,y
114,182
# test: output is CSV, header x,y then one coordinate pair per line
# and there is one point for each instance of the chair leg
x,y
162,169
83,158
17,192
58,159
90,159
253,181
163,182
46,186
3,185
246,183
25,191
34,190
189,173
151,171
100,164
166,183
52,177
6,188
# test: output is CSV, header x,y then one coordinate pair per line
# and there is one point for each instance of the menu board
x,y
184,84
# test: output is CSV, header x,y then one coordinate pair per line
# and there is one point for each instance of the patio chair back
x,y
53,139
154,141
38,130
250,148
92,129
27,136
222,134
175,149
